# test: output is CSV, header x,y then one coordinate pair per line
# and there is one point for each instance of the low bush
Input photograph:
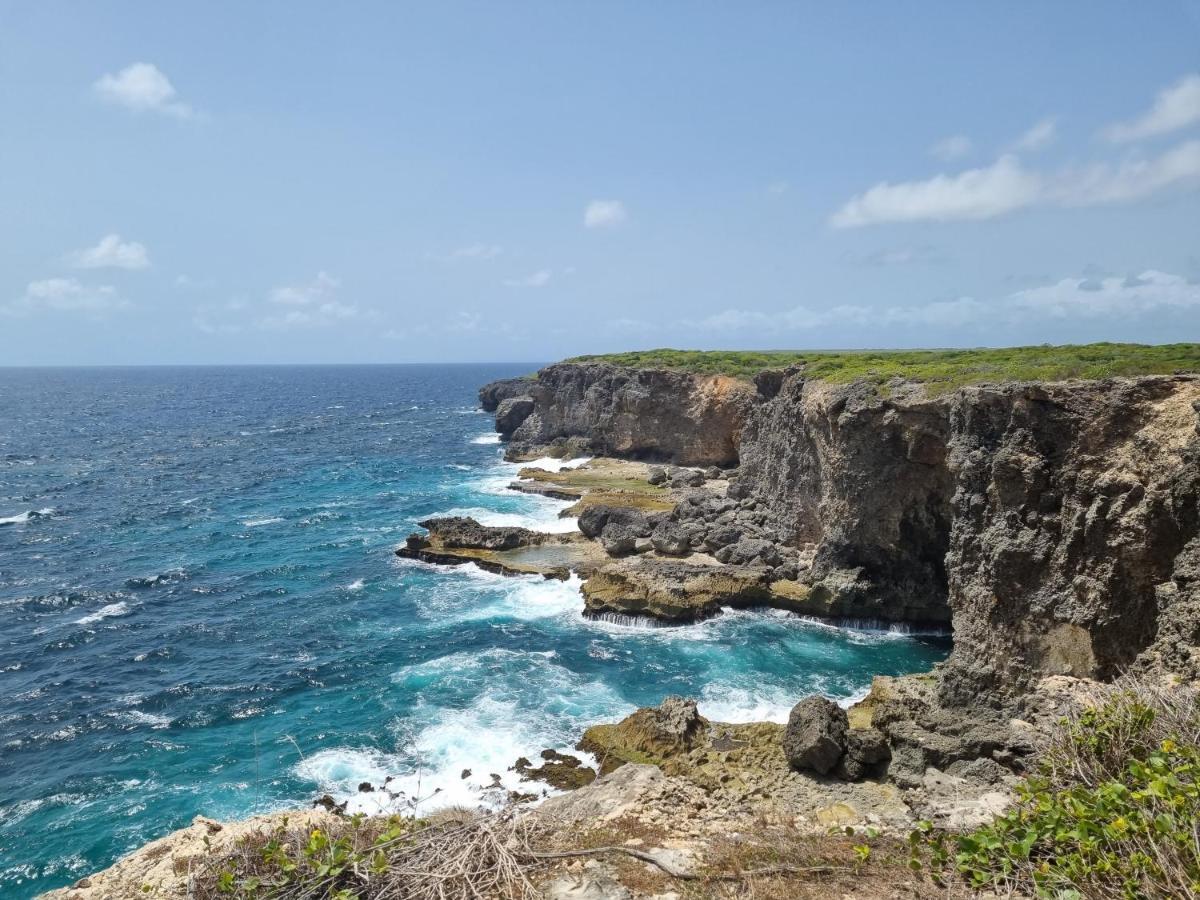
x,y
1112,811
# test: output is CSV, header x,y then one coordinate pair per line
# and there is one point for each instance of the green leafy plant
x,y
1113,811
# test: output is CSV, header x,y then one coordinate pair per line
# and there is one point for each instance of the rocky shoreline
x,y
1052,528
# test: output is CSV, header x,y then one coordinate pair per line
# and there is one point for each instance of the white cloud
x,y
66,295
974,194
1113,297
320,288
1007,186
142,87
1175,107
538,279
604,214
1041,135
478,252
112,253
953,147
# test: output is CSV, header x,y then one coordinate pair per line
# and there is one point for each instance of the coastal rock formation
x,y
461,531
1074,546
491,395
637,414
511,412
816,735
1056,526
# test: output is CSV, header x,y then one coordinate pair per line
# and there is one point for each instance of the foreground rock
x,y
816,735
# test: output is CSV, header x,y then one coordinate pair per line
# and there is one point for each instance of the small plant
x,y
1113,811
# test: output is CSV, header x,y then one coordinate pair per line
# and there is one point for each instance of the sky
x,y
302,182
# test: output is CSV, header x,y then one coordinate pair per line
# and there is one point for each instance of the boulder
x,y
815,738
687,478
670,540
511,413
657,475
618,539
748,551
867,752
652,734
721,536
594,519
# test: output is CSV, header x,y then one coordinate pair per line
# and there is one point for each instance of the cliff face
x,y
1057,524
864,480
651,415
1075,524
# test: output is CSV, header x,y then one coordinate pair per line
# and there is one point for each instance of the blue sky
x,y
302,182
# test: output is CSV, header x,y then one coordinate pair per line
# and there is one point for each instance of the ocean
x,y
201,612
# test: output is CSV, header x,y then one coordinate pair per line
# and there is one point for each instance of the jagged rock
x,y
651,734
816,735
461,531
688,419
490,395
656,475
511,413
867,752
670,540
618,539
672,591
749,551
722,536
713,473
687,478
594,519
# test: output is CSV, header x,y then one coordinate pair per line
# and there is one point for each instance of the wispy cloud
x,y
1112,297
951,148
321,287
112,253
1175,107
1040,135
1007,186
604,214
470,252
66,295
142,87
537,279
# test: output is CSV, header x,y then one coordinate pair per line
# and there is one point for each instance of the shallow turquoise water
x,y
201,613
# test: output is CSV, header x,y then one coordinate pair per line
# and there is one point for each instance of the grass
x,y
942,369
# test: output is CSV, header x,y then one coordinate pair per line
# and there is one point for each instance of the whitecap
x,y
550,464
120,608
546,519
27,516
255,523
356,585
489,438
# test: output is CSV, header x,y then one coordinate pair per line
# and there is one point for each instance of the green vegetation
x,y
1113,811
942,369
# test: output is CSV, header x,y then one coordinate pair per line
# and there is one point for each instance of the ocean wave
x,y
256,523
356,585
489,438
550,464
518,597
120,608
29,515
546,519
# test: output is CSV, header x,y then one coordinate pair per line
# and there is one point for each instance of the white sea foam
x,y
545,518
727,703
489,438
521,597
550,464
28,515
356,585
120,608
255,523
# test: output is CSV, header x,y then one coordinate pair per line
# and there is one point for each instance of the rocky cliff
x,y
1055,524
630,413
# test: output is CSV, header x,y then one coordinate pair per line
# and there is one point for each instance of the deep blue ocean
x,y
201,612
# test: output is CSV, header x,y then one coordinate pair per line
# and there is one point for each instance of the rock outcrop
x,y
1056,526
636,414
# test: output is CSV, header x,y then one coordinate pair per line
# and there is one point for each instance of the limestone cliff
x,y
636,414
1055,524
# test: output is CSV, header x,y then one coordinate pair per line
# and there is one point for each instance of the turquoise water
x,y
201,613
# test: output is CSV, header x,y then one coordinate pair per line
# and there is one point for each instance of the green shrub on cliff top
x,y
1114,810
942,369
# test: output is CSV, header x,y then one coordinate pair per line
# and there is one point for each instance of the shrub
x,y
1113,810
